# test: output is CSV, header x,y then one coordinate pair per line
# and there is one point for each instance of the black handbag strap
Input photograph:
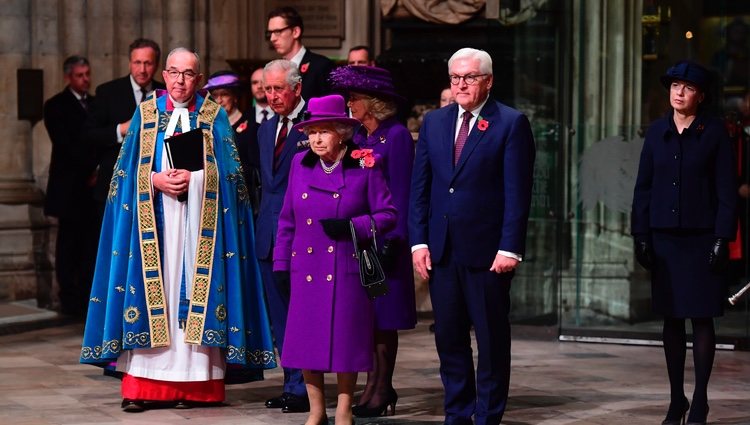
x,y
354,236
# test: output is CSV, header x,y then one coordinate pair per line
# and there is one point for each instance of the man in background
x,y
69,187
115,103
262,111
360,56
284,32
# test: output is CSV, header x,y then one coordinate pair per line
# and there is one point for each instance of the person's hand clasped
x,y
173,182
503,264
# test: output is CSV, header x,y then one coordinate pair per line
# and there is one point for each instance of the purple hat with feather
x,y
370,80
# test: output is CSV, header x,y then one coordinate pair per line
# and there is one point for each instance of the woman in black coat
x,y
682,220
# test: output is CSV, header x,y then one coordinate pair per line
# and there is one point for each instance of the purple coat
x,y
330,323
395,146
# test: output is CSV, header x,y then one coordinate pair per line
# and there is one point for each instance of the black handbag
x,y
371,273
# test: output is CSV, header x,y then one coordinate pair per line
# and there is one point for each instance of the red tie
x,y
463,134
280,139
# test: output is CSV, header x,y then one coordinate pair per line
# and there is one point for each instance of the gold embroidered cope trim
x,y
152,277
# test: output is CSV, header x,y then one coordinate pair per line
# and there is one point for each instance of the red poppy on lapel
x,y
365,156
304,67
242,127
482,124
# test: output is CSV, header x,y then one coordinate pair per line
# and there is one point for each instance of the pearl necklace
x,y
329,170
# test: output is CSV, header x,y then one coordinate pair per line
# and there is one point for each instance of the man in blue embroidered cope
x,y
177,300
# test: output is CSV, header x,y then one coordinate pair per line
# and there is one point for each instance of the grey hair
x,y
293,77
72,61
345,131
185,50
485,61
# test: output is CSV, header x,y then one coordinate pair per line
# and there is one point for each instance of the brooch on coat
x,y
303,144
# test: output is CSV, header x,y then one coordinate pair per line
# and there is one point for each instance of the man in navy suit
x,y
113,108
469,207
284,32
278,143
69,187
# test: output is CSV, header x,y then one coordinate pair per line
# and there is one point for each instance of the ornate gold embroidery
x,y
95,300
120,288
155,298
221,313
131,314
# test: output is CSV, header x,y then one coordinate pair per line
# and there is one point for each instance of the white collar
x,y
180,114
297,58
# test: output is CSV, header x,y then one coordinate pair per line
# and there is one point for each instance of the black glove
x,y
283,282
388,253
643,252
336,228
718,258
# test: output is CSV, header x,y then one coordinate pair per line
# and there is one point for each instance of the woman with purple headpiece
x,y
374,101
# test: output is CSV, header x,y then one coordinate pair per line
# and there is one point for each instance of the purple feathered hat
x,y
330,108
223,80
369,80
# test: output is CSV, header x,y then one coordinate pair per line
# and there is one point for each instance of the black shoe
x,y
277,402
132,406
676,414
699,421
183,405
365,411
296,404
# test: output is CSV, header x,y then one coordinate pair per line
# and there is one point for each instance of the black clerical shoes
x,y
132,406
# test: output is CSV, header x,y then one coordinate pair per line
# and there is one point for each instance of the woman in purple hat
x,y
332,186
226,88
373,101
682,221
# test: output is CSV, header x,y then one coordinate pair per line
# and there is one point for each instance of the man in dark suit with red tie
x,y
113,108
278,143
69,188
284,32
469,207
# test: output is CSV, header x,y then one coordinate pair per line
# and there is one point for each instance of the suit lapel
x,y
489,114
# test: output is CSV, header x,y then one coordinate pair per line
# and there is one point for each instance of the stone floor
x,y
552,383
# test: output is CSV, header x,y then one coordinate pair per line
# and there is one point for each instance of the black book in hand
x,y
185,152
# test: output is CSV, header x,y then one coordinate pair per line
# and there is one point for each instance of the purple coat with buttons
x,y
393,142
331,321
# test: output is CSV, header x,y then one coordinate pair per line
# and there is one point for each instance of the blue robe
x,y
127,307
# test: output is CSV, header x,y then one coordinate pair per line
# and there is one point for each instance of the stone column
x,y
22,228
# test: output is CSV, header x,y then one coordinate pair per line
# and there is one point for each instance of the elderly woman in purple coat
x,y
331,319
373,101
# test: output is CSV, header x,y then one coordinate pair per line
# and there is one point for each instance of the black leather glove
x,y
388,253
644,252
336,228
283,282
718,258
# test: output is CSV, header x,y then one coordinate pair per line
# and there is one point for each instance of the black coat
x,y
72,162
114,104
685,197
315,69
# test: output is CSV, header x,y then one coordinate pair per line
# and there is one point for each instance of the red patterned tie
x,y
280,139
463,134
